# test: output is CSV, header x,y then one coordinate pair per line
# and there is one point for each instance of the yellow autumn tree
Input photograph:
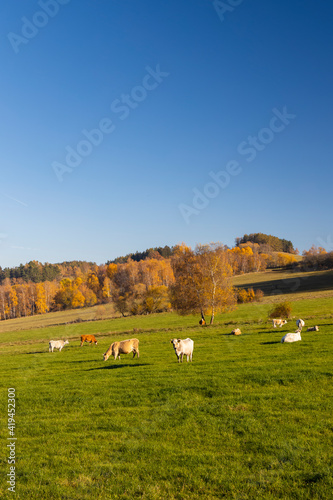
x,y
157,299
111,270
106,290
89,296
149,272
93,282
13,301
40,302
202,280
51,288
78,299
284,259
166,273
215,287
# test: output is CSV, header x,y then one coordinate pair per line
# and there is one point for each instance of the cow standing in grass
x,y
182,347
88,338
123,347
57,344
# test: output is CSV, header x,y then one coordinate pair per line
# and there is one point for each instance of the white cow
x,y
292,337
300,323
182,347
279,322
57,344
313,329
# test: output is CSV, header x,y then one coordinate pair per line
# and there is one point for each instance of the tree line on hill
x,y
267,242
156,252
36,272
316,258
185,280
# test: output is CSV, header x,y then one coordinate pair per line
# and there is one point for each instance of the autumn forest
x,y
157,280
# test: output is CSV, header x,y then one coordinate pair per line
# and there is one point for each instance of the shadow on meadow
x,y
33,352
298,283
274,342
114,367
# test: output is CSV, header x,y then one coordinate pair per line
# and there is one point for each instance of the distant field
x,y
58,318
249,418
293,285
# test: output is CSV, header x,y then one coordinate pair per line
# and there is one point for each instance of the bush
x,y
242,296
281,310
249,295
259,294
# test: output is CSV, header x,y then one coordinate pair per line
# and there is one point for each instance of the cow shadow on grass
x,y
114,367
34,352
273,342
98,360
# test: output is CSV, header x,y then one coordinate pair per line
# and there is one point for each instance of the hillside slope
x,y
292,285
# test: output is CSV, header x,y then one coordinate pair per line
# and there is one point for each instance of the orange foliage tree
x,y
202,280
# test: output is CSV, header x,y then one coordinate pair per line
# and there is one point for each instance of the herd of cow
x,y
293,337
182,347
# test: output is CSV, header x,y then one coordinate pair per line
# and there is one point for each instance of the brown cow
x,y
123,347
88,338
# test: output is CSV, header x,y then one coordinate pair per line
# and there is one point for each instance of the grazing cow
x,y
182,347
123,347
88,338
279,322
313,329
300,323
292,337
236,331
57,344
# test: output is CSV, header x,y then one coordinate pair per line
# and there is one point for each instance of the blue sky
x,y
153,99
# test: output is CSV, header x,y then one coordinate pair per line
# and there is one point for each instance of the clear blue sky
x,y
179,91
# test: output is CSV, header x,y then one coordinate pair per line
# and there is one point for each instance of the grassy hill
x,y
249,418
279,284
59,318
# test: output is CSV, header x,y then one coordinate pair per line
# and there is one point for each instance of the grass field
x,y
248,418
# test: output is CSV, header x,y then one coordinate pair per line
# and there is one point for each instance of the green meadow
x,y
248,418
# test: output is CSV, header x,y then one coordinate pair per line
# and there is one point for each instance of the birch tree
x,y
202,280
